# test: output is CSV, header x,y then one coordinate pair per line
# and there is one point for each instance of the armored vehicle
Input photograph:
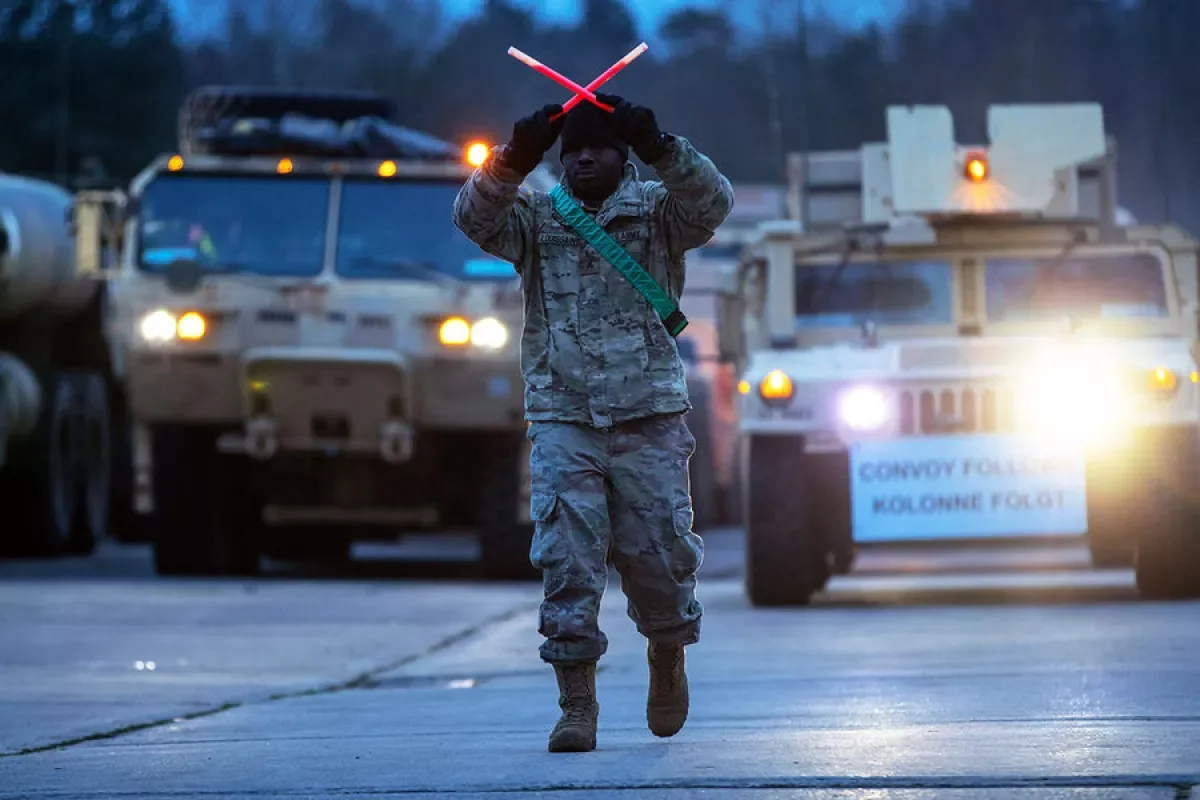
x,y
58,389
966,344
315,355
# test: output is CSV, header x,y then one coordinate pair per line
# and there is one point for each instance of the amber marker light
x,y
455,332
191,326
477,153
775,386
976,168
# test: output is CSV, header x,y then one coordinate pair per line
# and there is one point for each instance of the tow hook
x,y
396,441
262,438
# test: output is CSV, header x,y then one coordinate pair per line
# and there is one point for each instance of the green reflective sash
x,y
613,253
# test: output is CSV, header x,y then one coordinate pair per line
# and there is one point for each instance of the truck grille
x,y
942,410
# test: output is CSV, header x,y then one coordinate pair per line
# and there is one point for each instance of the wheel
x,y
1113,510
205,519
94,452
1167,564
787,558
43,492
829,515
506,536
1167,559
702,467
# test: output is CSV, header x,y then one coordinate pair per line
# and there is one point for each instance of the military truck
x,y
315,355
959,344
59,394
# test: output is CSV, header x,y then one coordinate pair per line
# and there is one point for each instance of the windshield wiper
x,y
851,246
420,269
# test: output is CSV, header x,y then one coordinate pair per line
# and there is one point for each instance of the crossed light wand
x,y
581,92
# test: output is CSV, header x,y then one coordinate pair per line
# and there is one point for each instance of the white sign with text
x,y
964,487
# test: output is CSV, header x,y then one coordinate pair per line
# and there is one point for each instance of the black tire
x,y
1168,564
787,559
206,518
94,466
43,489
1167,559
1113,510
505,536
702,466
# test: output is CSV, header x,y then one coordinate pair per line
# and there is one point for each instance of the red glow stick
x,y
562,80
604,77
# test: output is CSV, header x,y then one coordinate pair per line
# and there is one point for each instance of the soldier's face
x,y
594,173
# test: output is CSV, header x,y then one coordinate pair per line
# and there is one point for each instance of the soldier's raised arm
x,y
693,197
491,208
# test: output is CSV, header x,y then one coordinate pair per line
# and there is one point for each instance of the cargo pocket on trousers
x,y
687,548
543,549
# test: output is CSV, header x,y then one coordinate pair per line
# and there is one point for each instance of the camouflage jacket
x,y
593,350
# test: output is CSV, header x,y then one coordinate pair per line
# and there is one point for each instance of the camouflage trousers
x,y
618,495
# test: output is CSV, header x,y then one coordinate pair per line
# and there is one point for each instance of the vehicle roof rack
x,y
249,121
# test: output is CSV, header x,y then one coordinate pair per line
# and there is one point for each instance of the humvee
x,y
314,353
958,344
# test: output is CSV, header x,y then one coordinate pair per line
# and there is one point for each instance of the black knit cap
x,y
588,125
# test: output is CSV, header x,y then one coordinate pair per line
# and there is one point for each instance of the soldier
x,y
605,392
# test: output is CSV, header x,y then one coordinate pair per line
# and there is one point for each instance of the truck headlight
x,y
1075,402
489,333
863,408
158,326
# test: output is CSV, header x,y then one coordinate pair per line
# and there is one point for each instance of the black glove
x,y
532,136
637,128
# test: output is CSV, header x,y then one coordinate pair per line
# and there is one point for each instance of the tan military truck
x,y
955,344
315,355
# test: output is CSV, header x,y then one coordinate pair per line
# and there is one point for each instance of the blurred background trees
x,y
103,79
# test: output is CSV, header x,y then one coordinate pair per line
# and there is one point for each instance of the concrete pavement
x,y
899,687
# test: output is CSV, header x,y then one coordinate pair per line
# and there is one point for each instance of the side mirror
x,y
731,313
183,275
729,327
94,221
86,224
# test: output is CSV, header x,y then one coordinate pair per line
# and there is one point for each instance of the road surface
x,y
395,679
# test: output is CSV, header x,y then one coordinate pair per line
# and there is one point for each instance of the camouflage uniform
x,y
605,393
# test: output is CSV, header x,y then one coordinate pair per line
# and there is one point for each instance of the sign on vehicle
x,y
965,487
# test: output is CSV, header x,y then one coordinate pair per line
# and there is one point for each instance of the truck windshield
x,y
265,225
1090,287
403,229
886,293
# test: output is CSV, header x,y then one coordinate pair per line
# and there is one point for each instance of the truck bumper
x,y
311,388
1105,497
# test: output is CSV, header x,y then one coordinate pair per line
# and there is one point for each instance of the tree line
x,y
98,82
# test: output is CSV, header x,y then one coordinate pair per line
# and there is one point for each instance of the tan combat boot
x,y
576,728
667,701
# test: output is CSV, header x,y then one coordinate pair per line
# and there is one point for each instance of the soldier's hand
x,y
532,136
637,127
